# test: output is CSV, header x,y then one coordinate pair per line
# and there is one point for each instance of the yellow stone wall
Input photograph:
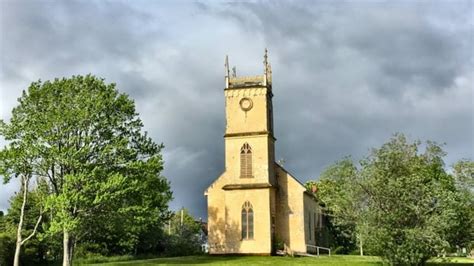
x,y
289,204
254,120
216,216
242,126
261,158
294,208
224,219
260,200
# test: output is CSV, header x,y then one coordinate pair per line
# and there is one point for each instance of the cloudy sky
x,y
346,75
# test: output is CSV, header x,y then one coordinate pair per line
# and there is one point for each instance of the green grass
x,y
452,260
274,261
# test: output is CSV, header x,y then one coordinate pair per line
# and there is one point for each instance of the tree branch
x,y
34,230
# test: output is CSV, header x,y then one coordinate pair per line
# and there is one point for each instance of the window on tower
x,y
246,161
247,221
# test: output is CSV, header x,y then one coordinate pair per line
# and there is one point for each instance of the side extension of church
x,y
256,201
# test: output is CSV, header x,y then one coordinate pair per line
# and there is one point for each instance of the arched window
x,y
247,221
246,161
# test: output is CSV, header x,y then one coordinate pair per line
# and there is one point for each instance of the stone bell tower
x,y
249,120
255,200
241,202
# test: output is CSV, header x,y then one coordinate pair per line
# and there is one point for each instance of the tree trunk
x,y
361,245
16,260
67,248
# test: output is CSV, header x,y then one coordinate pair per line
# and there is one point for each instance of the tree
x,y
464,175
2,221
34,251
183,231
19,239
462,233
341,194
411,201
401,202
86,139
17,160
6,242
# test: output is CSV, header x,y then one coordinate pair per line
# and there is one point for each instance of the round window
x,y
246,104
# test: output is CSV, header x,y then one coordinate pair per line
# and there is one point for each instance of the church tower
x,y
249,138
255,200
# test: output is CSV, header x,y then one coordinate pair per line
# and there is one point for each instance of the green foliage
x,y
2,221
183,238
85,138
7,248
97,258
278,243
411,200
464,174
340,235
344,204
39,249
403,204
462,226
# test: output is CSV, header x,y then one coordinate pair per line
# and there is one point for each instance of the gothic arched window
x,y
247,221
246,161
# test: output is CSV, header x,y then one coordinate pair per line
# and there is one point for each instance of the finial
x,y
266,70
269,73
265,59
226,65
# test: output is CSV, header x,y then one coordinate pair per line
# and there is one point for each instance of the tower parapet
x,y
246,81
233,82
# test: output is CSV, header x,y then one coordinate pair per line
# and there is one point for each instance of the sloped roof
x,y
296,179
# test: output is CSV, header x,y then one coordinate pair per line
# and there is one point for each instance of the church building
x,y
255,202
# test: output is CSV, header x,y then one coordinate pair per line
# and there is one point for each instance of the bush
x,y
183,245
278,244
338,250
7,249
97,258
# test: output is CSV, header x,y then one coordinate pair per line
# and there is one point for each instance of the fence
x,y
318,248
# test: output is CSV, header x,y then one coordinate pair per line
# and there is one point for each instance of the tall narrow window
x,y
309,224
246,161
315,225
247,221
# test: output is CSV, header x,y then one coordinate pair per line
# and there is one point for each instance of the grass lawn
x,y
257,260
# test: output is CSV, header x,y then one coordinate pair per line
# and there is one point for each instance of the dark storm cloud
x,y
358,71
396,39
346,75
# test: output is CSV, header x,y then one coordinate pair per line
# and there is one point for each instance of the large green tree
x,y
86,140
412,200
403,203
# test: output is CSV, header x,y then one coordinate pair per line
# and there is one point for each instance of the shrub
x,y
7,249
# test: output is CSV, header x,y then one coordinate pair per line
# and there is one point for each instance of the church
x,y
255,203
